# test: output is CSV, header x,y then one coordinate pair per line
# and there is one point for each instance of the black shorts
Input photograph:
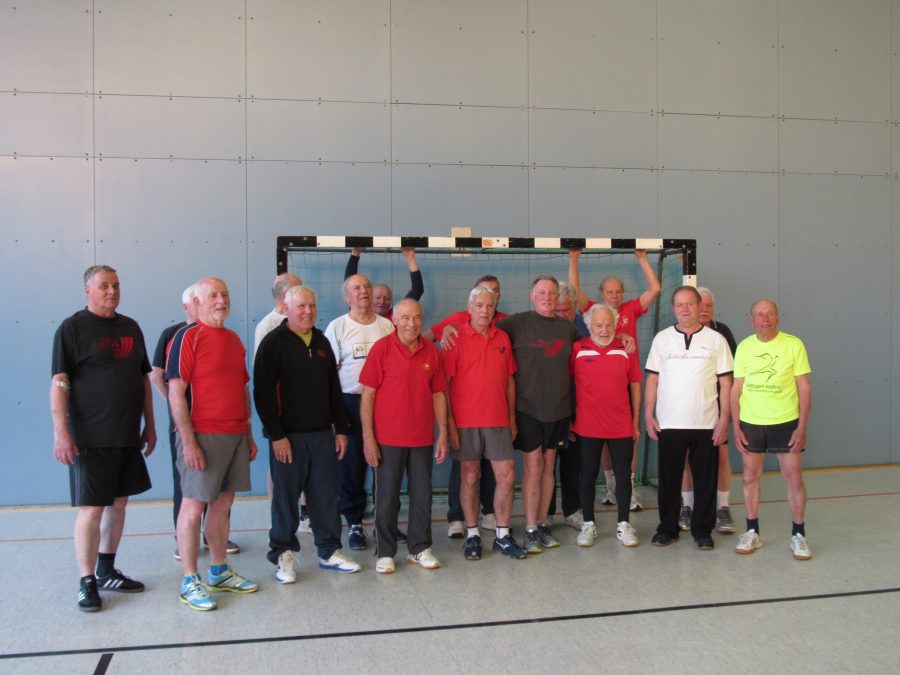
x,y
533,434
99,475
773,438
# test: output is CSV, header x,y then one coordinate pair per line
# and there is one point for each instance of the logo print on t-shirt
x,y
768,368
320,353
551,349
120,348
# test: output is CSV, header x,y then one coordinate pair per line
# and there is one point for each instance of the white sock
x,y
688,498
473,532
722,497
589,522
501,532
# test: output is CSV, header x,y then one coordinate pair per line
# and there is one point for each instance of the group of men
x,y
372,391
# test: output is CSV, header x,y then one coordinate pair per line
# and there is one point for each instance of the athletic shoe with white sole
x,y
230,581
116,581
724,523
424,559
195,595
575,521
284,570
340,563
587,535
545,534
626,534
472,550
456,529
684,519
748,543
510,548
532,541
385,565
609,496
489,521
800,548
635,503
304,527
356,538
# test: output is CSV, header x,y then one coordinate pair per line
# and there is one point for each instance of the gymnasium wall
x,y
175,140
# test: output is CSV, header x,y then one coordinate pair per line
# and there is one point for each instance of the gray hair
x,y
96,269
703,290
188,295
567,290
294,290
544,277
481,290
281,284
345,288
589,314
606,280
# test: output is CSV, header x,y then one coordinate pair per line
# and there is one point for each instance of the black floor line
x,y
103,664
109,651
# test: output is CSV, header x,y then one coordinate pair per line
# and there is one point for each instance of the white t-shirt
x,y
688,367
266,325
351,342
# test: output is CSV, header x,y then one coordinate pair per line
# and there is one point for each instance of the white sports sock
x,y
501,532
688,498
472,532
722,498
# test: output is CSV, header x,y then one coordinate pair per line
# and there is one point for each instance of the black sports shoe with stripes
x,y
116,581
88,597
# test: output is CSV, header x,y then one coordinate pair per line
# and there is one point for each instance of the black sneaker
x,y
662,539
508,547
116,581
473,548
88,597
357,538
401,537
705,543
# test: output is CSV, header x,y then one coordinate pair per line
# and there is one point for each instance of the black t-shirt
x,y
106,362
159,361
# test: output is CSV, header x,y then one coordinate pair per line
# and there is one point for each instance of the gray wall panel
x,y
457,135
317,198
842,147
835,59
468,51
45,45
610,45
433,199
315,130
712,142
46,124
592,138
186,47
154,126
592,202
718,56
326,49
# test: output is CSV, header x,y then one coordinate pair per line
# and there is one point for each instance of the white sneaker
x,y
626,534
635,504
305,527
800,548
385,565
456,529
609,495
489,521
587,535
424,559
575,521
284,571
749,542
340,563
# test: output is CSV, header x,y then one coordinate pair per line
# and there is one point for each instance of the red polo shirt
x,y
480,368
404,382
458,319
602,394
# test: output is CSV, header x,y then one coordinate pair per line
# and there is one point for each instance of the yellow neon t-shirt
x,y
769,369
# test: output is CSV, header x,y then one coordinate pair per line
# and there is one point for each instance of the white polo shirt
x,y
688,367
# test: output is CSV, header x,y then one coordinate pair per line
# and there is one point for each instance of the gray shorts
x,y
227,467
494,443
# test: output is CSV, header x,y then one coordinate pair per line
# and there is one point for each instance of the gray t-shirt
x,y
542,346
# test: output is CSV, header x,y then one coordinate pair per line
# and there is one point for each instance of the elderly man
x,y
402,400
724,522
541,344
455,516
273,319
352,336
686,412
482,418
215,446
298,398
612,291
99,392
770,405
382,295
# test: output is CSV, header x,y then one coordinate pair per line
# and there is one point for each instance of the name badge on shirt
x,y
360,350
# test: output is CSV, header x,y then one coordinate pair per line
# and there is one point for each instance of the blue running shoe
x,y
510,548
357,538
231,581
195,596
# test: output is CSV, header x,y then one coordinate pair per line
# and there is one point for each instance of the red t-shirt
x,y
480,368
602,395
458,319
213,362
629,313
404,382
